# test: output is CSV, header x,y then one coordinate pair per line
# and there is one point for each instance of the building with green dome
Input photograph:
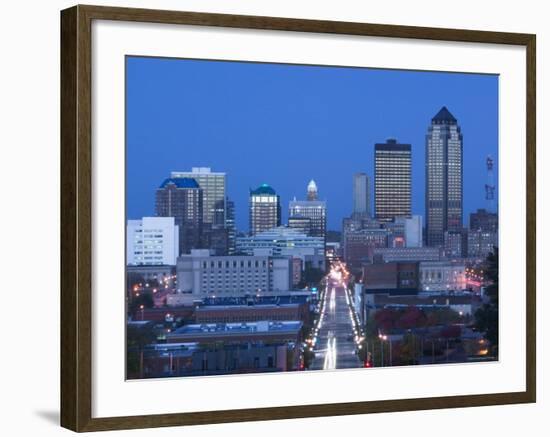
x,y
265,209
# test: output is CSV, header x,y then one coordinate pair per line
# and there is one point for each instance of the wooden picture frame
x,y
76,218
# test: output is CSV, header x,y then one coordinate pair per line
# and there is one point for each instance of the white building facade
x,y
201,275
152,241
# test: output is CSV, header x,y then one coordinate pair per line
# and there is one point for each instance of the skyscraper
x,y
265,209
312,190
213,186
182,198
312,209
443,177
392,180
361,195
230,225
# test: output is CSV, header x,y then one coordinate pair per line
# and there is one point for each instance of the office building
x,y
413,231
230,225
455,244
483,220
404,254
313,209
251,313
283,241
213,186
481,243
361,195
404,231
262,331
152,241
174,359
442,276
358,245
201,275
265,209
443,177
182,198
390,276
392,180
300,223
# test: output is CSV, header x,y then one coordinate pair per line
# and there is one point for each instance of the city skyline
x,y
282,173
277,151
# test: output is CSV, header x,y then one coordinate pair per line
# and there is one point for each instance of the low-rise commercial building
x,y
191,359
442,275
406,254
262,331
387,276
251,313
284,241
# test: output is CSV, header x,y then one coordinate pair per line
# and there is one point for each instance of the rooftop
x,y
423,300
240,328
281,233
444,117
245,307
196,171
295,297
180,183
263,189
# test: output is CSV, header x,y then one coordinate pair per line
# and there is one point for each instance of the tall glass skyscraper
x,y
182,198
265,209
392,180
213,186
361,195
443,177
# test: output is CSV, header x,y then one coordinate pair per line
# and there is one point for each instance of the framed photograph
x,y
269,218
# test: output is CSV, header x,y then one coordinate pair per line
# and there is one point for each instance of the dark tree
x,y
137,337
311,277
486,318
144,299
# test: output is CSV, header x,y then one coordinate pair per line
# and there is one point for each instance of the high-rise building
x,y
182,198
152,241
265,209
312,209
392,180
443,177
230,225
300,223
312,190
361,194
481,243
213,186
455,244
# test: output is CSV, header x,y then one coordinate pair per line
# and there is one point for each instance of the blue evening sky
x,y
287,124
